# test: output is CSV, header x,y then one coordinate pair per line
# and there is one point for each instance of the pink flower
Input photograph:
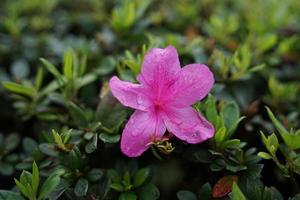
x,y
163,101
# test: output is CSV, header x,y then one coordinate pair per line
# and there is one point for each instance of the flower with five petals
x,y
163,101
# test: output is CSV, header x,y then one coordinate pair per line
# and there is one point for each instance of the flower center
x,y
157,105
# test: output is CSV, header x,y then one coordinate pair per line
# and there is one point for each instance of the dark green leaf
x,y
49,185
95,174
8,195
186,195
140,177
128,196
91,146
205,192
81,187
108,138
78,115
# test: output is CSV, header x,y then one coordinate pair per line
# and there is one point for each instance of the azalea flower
x,y
163,101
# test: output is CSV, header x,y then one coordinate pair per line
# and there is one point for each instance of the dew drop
x,y
196,134
134,133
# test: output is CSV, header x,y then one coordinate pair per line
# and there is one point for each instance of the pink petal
x,y
159,69
188,125
129,94
194,83
140,130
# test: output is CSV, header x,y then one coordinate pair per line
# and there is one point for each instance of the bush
x,y
61,121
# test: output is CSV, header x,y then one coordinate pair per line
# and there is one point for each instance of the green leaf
x,y
205,192
68,64
118,187
236,193
91,146
272,194
220,135
52,69
81,187
22,188
266,42
49,185
108,138
8,195
230,114
291,140
39,78
277,124
11,141
124,16
128,196
140,177
19,89
257,68
148,192
35,178
114,175
95,175
186,195
78,115
211,109
29,145
126,179
264,155
26,178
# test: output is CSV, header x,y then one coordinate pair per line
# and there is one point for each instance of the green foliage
x,y
29,183
57,109
132,183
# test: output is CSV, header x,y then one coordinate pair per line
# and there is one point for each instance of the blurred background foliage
x,y
56,109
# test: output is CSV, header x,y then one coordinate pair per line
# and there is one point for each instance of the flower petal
x,y
188,125
140,130
129,94
159,67
194,83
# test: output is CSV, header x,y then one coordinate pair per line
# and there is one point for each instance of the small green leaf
x,y
95,175
35,178
114,175
231,114
108,138
205,192
39,78
292,140
49,185
264,155
26,178
277,124
81,187
22,188
19,89
128,196
211,109
68,64
148,192
8,195
220,135
237,193
118,187
78,115
140,177
52,69
11,141
186,195
91,146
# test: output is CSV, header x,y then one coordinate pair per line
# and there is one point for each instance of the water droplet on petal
x,y
196,134
141,102
134,133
